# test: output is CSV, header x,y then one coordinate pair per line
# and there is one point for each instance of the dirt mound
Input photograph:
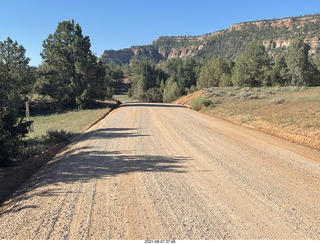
x,y
185,100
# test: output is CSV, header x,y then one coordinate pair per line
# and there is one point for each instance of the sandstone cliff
x,y
275,34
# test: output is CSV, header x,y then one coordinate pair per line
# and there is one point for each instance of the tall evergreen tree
x,y
70,73
145,76
217,72
281,70
184,72
301,70
171,90
15,81
252,66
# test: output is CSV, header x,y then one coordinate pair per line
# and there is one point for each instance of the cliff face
x,y
314,43
121,56
275,35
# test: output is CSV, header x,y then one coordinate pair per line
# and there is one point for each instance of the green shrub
x,y
56,136
277,101
246,118
192,89
152,95
200,103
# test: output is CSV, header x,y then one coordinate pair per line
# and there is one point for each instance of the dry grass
x,y
285,107
68,123
289,112
72,121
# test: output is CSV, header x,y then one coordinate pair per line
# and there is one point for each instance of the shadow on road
x,y
87,163
107,133
159,105
110,133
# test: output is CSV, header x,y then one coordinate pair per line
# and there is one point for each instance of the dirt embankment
x,y
303,135
186,100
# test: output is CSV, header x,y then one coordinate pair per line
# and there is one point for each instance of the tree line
x,y
251,68
70,76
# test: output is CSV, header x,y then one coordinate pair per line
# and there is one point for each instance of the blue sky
x,y
120,24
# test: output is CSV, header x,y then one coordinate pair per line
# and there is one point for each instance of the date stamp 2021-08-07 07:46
x,y
159,241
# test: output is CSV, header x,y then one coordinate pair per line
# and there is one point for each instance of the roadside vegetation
x,y
69,79
201,103
53,128
253,67
291,112
279,95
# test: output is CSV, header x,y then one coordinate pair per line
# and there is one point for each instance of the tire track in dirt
x,y
159,171
269,186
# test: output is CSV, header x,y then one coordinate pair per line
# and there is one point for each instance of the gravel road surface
x,y
161,171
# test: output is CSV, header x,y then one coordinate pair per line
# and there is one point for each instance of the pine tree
x,y
171,91
281,70
301,71
145,76
16,77
215,73
70,73
252,66
184,72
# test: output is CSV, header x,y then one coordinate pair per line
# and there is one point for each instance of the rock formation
x,y
275,34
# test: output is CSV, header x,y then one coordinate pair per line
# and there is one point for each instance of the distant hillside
x,y
276,35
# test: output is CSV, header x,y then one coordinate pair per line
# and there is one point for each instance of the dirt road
x,y
158,171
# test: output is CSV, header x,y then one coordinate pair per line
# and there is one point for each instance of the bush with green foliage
x,y
153,95
200,102
16,77
55,136
171,91
215,73
184,72
192,89
145,76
